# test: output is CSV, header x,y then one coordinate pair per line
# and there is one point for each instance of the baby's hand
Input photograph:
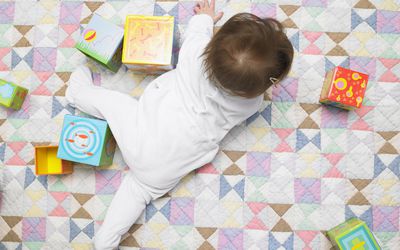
x,y
203,7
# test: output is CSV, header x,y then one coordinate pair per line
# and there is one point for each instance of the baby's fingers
x,y
218,17
212,4
206,4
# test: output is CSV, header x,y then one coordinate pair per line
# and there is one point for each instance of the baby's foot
x,y
81,77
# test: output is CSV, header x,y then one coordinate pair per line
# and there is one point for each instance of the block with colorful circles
x,y
12,95
86,140
101,40
148,43
353,234
344,88
46,161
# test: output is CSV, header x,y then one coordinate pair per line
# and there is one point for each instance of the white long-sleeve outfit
x,y
174,128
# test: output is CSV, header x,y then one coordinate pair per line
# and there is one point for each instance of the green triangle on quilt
x,y
385,238
307,223
17,123
180,244
66,65
16,137
282,122
257,181
33,245
391,39
332,146
58,186
183,230
4,43
256,196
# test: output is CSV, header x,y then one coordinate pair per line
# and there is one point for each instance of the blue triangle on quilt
x,y
357,20
275,244
166,210
151,210
379,166
252,118
15,59
366,216
89,230
295,40
267,113
2,151
160,11
75,230
225,187
57,107
303,140
329,65
30,177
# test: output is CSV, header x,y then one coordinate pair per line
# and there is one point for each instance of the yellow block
x,y
148,41
46,161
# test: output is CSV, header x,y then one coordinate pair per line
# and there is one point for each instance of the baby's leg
x,y
118,109
127,205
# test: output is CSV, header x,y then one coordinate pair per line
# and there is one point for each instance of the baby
x,y
178,122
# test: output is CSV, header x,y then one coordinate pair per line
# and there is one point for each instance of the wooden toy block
x,y
12,95
101,40
46,161
87,141
344,88
353,234
148,43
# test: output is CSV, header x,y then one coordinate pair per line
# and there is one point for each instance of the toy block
x,y
12,95
101,40
148,43
46,161
353,234
87,141
344,88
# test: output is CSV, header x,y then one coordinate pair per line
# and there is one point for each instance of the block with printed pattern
x,y
87,141
12,95
353,234
148,43
344,88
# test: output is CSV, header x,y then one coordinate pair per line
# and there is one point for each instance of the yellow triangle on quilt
x,y
36,195
35,211
309,172
21,76
157,228
81,246
364,39
259,132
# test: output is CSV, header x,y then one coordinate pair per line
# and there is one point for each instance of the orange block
x,y
344,88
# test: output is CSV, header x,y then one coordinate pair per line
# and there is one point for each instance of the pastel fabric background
x,y
282,178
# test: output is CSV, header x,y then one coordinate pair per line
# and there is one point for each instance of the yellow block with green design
x,y
12,95
353,234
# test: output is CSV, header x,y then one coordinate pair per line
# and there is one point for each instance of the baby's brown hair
x,y
248,54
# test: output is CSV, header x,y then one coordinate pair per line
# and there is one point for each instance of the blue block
x,y
86,140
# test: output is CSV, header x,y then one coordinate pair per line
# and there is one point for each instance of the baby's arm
x,y
199,31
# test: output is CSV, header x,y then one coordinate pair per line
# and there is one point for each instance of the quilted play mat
x,y
281,180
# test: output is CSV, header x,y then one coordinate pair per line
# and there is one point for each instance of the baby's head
x,y
248,54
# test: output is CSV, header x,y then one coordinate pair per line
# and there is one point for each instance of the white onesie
x,y
174,128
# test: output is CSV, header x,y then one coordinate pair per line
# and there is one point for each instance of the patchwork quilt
x,y
282,178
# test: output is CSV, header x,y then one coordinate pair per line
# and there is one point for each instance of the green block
x,y
353,235
12,95
101,40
